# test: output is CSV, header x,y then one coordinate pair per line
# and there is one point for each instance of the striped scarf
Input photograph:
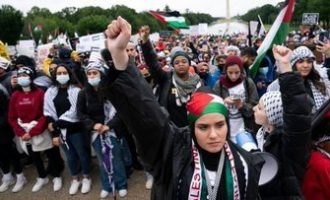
x,y
184,89
198,186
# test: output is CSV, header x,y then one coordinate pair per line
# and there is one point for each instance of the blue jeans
x,y
78,150
120,159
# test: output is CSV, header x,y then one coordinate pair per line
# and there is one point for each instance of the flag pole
x,y
249,35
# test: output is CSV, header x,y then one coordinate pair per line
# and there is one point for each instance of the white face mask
x,y
94,81
63,79
24,81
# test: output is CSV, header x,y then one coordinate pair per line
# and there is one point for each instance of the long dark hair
x,y
315,77
73,78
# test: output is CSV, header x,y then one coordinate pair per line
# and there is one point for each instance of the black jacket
x,y
90,111
163,147
291,144
6,133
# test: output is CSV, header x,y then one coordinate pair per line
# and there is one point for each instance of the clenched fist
x,y
118,35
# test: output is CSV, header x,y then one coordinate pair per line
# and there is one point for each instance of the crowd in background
x,y
59,109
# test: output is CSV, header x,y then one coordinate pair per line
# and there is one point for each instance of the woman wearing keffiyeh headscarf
x,y
285,132
302,61
194,162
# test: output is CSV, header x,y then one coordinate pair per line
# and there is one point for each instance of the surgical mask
x,y
24,81
63,79
263,70
94,81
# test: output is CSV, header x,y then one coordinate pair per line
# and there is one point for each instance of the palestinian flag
x,y
202,103
172,19
276,35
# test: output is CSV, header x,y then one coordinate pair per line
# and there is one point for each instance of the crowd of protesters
x,y
173,108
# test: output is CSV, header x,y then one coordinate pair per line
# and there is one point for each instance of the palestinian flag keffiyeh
x,y
202,103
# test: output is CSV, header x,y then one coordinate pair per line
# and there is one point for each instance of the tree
x,y
11,23
266,12
196,18
36,11
167,8
92,24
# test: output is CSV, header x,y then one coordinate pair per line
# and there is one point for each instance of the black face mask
x,y
203,75
221,66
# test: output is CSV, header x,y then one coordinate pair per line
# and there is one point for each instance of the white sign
x,y
26,47
253,27
202,29
154,37
193,30
91,42
310,18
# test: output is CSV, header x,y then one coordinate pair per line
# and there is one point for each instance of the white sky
x,y
216,8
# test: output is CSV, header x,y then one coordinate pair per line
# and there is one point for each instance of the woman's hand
x,y
26,137
119,34
104,129
282,56
98,127
229,101
324,48
56,141
238,103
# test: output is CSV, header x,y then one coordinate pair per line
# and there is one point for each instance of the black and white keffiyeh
x,y
272,102
301,53
49,107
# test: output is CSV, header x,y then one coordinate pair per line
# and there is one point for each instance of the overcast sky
x,y
216,8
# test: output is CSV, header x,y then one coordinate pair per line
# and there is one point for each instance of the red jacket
x,y
316,185
28,107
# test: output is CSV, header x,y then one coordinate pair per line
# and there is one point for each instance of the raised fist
x,y
118,35
282,56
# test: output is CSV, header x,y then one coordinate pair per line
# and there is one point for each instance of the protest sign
x,y
310,18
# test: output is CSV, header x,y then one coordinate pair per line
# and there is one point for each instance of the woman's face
x,y
304,66
93,74
233,72
211,132
260,116
61,71
181,65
